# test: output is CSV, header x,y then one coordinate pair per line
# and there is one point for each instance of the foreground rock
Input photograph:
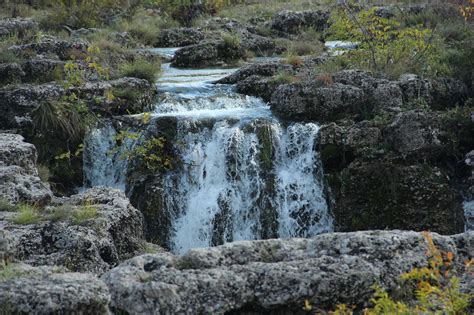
x,y
179,37
94,244
19,181
271,275
47,290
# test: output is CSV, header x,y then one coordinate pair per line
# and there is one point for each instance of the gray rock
x,y
50,45
291,22
42,70
315,101
266,69
414,132
133,95
10,73
179,37
19,181
16,25
440,93
96,245
52,291
273,275
210,53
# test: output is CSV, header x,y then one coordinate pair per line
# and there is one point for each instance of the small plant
x,y
435,289
7,56
84,213
284,78
7,206
231,40
153,153
141,69
11,271
293,60
324,79
27,214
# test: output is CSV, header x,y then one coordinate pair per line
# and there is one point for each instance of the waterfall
x,y
104,164
228,193
241,174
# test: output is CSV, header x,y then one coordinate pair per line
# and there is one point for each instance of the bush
x,y
231,40
434,289
141,69
385,46
27,214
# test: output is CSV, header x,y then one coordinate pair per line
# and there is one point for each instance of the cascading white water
x,y
104,164
222,185
242,174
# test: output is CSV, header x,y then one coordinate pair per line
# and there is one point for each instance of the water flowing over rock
x,y
239,173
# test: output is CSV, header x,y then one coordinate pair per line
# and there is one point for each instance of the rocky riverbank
x,y
305,144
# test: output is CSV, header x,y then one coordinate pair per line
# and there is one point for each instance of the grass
x,y
12,271
231,40
141,69
144,27
27,214
283,78
84,213
293,60
6,206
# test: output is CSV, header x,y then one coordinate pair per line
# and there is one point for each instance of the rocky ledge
x,y
243,277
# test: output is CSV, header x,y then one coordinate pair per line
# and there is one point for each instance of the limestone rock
x,y
19,181
179,37
271,275
96,245
291,22
49,290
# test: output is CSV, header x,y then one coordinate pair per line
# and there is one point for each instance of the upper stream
x,y
243,174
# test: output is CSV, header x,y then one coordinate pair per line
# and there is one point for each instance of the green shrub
x,y
141,69
231,40
434,289
302,48
283,78
7,206
386,46
7,56
27,214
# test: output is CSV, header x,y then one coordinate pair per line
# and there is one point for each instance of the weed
x,y
141,69
84,213
27,214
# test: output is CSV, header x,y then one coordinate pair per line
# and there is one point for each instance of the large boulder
x,y
50,290
274,275
313,100
19,181
112,234
386,195
179,37
439,93
210,53
291,22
